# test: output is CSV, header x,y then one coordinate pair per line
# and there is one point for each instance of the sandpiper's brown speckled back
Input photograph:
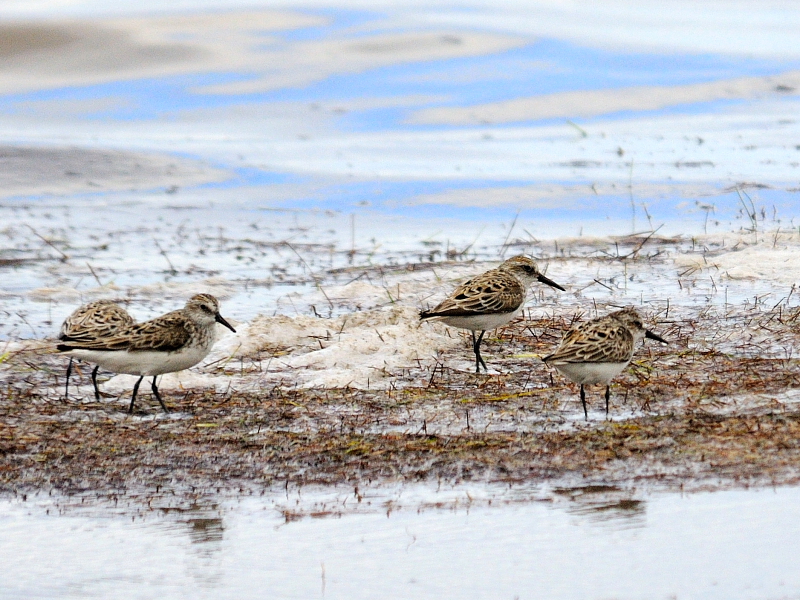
x,y
98,319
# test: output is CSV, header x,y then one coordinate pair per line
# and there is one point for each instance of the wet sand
x,y
327,175
716,408
44,55
588,104
31,171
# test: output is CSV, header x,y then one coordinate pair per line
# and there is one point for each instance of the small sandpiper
x,y
172,342
598,350
90,322
489,300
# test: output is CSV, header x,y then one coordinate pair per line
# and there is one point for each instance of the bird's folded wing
x,y
96,322
166,333
492,292
594,342
84,334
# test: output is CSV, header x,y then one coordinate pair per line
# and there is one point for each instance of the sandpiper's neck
x,y
203,335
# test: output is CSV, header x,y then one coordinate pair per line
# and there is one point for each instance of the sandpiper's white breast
x,y
587,373
145,362
483,322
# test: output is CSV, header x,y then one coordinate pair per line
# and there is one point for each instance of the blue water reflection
x,y
546,66
536,68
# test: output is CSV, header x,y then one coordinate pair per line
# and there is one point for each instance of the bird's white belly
x,y
587,373
147,362
480,322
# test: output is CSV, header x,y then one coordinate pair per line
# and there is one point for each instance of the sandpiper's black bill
x,y
218,318
550,282
653,336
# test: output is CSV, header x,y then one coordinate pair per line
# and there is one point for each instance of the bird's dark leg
x,y
477,349
155,391
94,382
480,358
66,387
474,349
583,401
608,396
135,391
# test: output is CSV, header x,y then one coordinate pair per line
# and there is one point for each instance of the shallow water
x,y
330,137
731,544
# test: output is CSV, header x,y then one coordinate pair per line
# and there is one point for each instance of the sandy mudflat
x,y
44,55
331,378
718,407
591,103
31,171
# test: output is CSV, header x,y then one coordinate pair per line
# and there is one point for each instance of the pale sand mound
x,y
362,349
761,262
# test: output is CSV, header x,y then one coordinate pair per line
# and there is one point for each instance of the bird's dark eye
x,y
206,309
529,268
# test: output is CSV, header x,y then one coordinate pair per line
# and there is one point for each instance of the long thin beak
x,y
550,282
218,318
653,336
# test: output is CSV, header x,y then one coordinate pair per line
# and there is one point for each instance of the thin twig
x,y
64,257
504,247
310,272
96,278
172,269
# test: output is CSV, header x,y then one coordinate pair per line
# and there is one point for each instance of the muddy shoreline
x,y
687,417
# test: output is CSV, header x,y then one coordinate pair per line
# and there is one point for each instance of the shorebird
x,y
172,342
92,321
598,350
489,300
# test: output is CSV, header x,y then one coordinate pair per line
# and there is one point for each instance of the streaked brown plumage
x,y
488,300
598,350
169,343
601,340
166,333
92,321
492,292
